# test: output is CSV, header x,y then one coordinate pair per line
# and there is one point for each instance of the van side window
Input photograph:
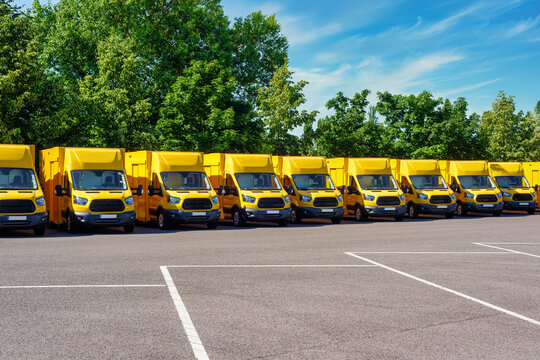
x,y
66,180
287,181
404,181
230,182
454,181
155,181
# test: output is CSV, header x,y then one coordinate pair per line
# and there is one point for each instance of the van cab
x,y
368,187
425,190
474,189
22,204
517,193
178,188
311,190
87,187
532,173
248,188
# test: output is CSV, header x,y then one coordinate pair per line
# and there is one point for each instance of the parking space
x,y
430,288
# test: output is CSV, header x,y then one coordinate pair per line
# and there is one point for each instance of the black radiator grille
x,y
270,203
486,198
17,206
325,202
388,200
107,205
440,199
522,197
197,204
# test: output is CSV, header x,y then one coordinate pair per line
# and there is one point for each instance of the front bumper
x,y
313,212
515,205
263,215
436,209
194,217
483,208
32,221
386,210
98,220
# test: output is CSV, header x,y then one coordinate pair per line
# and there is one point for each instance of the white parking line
x,y
495,307
434,252
510,243
509,250
268,266
77,286
189,328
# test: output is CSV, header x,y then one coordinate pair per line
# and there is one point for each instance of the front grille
x,y
388,200
197,204
522,197
325,202
440,199
17,206
486,198
109,205
270,203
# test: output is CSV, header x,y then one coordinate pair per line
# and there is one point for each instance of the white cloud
x,y
463,89
523,26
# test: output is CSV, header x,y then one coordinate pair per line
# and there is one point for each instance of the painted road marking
x,y
434,252
77,286
268,266
495,307
189,328
509,250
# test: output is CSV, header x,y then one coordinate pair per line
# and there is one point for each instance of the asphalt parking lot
x,y
462,288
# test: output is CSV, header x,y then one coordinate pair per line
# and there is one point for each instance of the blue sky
x,y
451,48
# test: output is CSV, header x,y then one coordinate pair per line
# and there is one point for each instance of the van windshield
x,y
428,182
98,180
257,181
508,182
313,182
476,182
17,179
377,182
185,180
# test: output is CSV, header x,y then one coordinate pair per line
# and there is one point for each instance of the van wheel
x,y
39,231
531,211
412,211
212,224
461,211
497,213
71,224
335,220
238,219
162,221
448,216
283,223
129,228
399,217
295,217
359,215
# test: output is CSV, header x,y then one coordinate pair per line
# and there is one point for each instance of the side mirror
x,y
154,191
352,190
226,190
341,188
137,191
405,189
58,190
290,190
535,188
220,190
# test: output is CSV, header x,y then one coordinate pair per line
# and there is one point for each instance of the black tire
x,y
412,211
359,214
39,231
71,225
238,218
163,224
283,223
497,213
295,217
460,210
212,224
129,228
449,215
336,220
399,217
531,211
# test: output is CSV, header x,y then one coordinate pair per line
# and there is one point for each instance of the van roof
x,y
17,156
94,159
505,168
239,163
369,166
177,161
304,165
474,167
419,167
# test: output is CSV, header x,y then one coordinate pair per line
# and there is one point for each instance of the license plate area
x,y
108,216
272,212
442,206
198,213
523,204
17,218
389,209
488,205
327,210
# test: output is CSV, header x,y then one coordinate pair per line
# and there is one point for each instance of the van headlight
x,y
77,200
499,195
215,199
468,196
402,197
305,198
424,196
505,194
287,198
248,199
40,201
340,198
174,200
129,200
369,197
534,194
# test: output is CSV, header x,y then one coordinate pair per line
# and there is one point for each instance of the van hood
x,y
20,194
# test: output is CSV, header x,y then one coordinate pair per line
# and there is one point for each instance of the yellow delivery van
x,y
22,204
474,189
178,190
532,173
248,188
86,187
368,187
517,193
425,190
310,188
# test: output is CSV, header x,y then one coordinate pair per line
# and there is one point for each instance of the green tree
x,y
278,106
349,132
509,136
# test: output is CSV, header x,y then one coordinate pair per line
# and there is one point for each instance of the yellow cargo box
x,y
22,204
87,187
517,193
369,188
248,188
311,190
532,173
177,188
